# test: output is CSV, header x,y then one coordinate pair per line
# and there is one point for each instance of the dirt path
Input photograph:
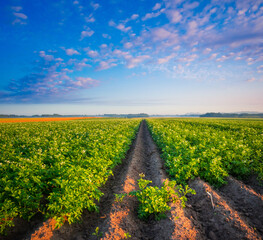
x,y
123,217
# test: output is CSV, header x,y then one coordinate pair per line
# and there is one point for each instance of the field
x,y
52,119
83,179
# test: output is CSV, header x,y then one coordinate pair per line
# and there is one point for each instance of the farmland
x,y
75,170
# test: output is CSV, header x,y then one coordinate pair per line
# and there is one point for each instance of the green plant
x,y
97,233
120,197
154,200
127,235
57,168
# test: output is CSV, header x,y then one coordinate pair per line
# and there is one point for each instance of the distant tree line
x,y
139,115
233,115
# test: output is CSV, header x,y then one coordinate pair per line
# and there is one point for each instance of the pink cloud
x,y
166,59
128,45
17,8
151,15
174,16
192,28
123,28
106,65
93,54
134,61
168,38
94,5
71,52
134,16
85,82
156,6
86,33
207,50
90,19
20,15
46,57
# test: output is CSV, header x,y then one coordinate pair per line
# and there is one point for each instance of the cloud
x,y
190,6
20,15
103,65
71,51
76,2
189,58
192,28
174,16
80,65
92,54
151,15
94,5
48,82
120,53
134,61
123,28
207,50
90,19
166,36
112,23
86,33
120,26
134,16
105,35
166,59
17,8
252,79
260,69
85,82
128,45
48,58
156,6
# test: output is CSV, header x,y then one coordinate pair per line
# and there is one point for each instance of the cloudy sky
x,y
115,56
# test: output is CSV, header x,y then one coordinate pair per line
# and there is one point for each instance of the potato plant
x,y
57,168
211,149
155,201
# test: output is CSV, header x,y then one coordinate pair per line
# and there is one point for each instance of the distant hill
x,y
233,115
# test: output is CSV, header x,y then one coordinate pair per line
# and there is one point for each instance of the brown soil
x,y
222,221
246,201
237,212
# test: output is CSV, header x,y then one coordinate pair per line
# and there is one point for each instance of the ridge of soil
x,y
222,221
246,201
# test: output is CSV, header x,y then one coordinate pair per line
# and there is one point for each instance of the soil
x,y
235,211
218,214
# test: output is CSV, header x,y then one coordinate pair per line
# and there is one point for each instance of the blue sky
x,y
115,56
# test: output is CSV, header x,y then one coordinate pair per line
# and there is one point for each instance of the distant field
x,y
8,120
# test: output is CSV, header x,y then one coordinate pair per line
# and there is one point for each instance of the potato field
x,y
131,179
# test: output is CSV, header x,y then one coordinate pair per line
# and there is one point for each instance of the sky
x,y
140,56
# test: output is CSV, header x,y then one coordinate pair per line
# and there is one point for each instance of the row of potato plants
x,y
211,149
57,168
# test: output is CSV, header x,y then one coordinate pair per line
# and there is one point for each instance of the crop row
x,y
211,149
57,168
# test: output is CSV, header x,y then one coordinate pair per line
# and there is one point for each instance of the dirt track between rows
x,y
237,212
